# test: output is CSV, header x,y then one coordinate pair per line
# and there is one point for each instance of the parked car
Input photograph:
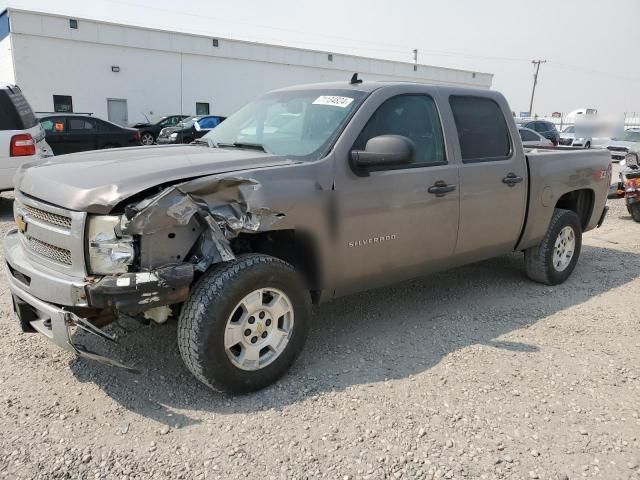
x,y
378,182
189,129
71,133
585,136
22,139
544,128
627,142
533,139
150,131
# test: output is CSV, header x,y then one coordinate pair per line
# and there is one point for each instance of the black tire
x,y
147,138
634,210
587,145
187,140
539,260
212,301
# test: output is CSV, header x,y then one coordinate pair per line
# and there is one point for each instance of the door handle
x,y
440,188
511,179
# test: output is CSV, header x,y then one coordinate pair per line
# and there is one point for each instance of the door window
x,y
62,103
80,124
209,122
482,129
414,117
528,136
53,125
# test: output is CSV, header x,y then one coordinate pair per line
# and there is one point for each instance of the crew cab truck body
x,y
365,184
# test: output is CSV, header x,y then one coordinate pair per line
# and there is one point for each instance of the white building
x,y
127,73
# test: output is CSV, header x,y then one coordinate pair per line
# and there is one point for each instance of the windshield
x,y
629,137
569,130
295,123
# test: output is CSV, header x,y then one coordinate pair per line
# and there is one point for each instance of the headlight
x,y
173,136
108,250
631,159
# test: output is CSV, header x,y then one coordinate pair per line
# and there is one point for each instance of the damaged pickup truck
x,y
304,195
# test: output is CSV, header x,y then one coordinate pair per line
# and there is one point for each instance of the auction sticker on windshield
x,y
333,101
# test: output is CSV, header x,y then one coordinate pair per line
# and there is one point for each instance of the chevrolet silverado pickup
x,y
304,195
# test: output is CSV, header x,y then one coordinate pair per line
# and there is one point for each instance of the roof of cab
x,y
368,86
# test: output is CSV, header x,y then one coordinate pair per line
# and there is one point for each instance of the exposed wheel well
x,y
291,246
580,202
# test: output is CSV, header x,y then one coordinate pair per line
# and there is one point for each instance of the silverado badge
x,y
22,224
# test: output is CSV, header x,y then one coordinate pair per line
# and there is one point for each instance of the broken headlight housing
x,y
109,251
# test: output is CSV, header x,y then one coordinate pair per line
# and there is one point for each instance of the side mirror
x,y
383,151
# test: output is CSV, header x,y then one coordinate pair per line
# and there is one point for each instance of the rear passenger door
x,y
493,178
81,134
391,226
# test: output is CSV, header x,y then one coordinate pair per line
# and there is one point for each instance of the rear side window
x,y
528,136
79,124
414,117
15,112
482,129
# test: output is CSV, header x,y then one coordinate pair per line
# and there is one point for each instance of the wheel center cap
x,y
260,328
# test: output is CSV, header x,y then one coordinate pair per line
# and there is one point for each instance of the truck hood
x,y
95,182
622,143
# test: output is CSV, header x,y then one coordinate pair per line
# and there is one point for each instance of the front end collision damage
x,y
214,210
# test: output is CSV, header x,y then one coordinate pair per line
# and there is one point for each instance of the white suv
x,y
21,135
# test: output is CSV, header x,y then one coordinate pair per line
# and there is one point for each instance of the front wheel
x,y
554,259
587,145
634,210
244,323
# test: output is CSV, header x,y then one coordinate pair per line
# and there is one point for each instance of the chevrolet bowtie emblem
x,y
22,224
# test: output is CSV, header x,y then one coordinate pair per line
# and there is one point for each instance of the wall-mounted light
x,y
115,68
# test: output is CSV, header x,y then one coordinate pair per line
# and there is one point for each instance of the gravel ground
x,y
472,373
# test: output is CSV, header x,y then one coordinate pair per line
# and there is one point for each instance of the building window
x,y
215,42
62,103
73,23
202,108
330,57
4,24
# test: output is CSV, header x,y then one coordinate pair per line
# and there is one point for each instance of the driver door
x,y
391,227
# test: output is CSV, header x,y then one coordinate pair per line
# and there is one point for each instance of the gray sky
x,y
591,45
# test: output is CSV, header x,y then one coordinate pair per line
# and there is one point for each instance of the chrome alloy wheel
x,y
258,329
147,139
564,247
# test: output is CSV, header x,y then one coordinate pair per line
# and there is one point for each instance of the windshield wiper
x,y
249,146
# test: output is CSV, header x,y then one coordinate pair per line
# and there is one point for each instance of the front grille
x,y
48,217
57,254
618,149
566,141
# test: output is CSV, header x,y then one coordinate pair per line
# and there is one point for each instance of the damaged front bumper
x,y
60,312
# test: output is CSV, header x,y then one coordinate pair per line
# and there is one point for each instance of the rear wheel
x,y
554,259
146,138
187,140
244,324
634,210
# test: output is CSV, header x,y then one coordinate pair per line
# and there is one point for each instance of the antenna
x,y
355,80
